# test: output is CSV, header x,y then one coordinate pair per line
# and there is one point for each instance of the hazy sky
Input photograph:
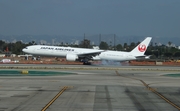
x,y
75,17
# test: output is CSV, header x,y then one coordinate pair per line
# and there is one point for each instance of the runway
x,y
95,88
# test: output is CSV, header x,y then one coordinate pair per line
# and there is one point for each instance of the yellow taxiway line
x,y
64,88
153,90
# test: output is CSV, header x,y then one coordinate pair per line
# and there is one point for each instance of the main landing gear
x,y
86,63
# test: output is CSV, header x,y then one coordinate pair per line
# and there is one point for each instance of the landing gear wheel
x,y
86,63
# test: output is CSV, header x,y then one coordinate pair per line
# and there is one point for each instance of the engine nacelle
x,y
71,57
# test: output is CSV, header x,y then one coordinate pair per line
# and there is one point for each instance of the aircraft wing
x,y
90,54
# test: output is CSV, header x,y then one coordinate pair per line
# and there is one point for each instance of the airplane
x,y
86,55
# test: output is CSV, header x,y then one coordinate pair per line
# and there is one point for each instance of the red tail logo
x,y
142,47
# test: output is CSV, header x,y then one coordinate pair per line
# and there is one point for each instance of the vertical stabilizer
x,y
141,48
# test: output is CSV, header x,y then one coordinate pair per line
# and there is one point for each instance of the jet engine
x,y
71,57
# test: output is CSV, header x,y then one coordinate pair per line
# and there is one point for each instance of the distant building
x,y
2,55
170,45
76,42
43,42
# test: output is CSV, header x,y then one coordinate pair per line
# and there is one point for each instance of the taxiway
x,y
92,88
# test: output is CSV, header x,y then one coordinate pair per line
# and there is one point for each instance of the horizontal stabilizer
x,y
143,57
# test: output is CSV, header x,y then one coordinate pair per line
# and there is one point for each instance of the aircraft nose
x,y
24,49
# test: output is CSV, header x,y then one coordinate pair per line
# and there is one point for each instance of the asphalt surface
x,y
91,89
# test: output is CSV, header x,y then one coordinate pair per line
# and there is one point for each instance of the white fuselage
x,y
115,56
41,50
